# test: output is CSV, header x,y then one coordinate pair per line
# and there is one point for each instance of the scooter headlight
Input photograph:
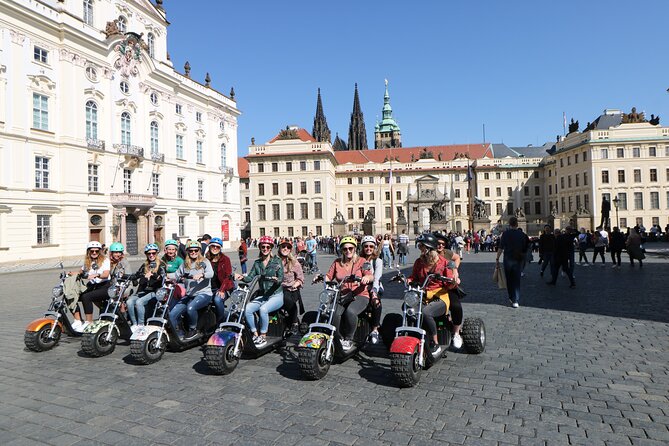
x,y
161,294
326,296
57,291
111,292
411,299
237,296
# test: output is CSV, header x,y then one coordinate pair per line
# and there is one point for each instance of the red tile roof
x,y
403,154
302,134
243,167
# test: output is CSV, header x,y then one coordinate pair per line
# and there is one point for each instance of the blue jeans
x,y
219,303
137,306
243,265
311,259
386,256
263,305
512,270
190,306
403,259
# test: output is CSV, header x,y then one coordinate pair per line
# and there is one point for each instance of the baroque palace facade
x,y
101,138
298,182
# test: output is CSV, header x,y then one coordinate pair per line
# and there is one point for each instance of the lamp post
x,y
616,202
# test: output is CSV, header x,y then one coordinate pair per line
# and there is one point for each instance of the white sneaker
x,y
457,341
76,325
515,305
374,337
346,344
84,325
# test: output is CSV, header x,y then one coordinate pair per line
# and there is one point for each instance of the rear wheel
x,y
405,368
39,341
220,358
149,350
313,364
387,330
96,344
473,335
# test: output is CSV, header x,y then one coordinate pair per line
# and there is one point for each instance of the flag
x,y
470,173
564,122
390,176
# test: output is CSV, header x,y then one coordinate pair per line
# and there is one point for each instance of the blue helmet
x,y
216,241
150,247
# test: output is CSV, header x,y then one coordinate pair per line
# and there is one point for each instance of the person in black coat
x,y
564,251
616,246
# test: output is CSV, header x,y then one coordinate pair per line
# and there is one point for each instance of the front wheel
x,y
473,335
96,344
313,362
39,341
148,351
220,358
405,368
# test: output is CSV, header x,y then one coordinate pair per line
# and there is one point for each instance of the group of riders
x,y
203,278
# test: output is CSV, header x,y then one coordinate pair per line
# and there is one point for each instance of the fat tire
x,y
405,368
387,330
219,358
90,343
310,362
473,335
141,350
35,340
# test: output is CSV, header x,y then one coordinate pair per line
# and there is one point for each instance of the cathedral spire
x,y
387,132
320,131
357,135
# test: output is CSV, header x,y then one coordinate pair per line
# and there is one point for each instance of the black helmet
x,y
440,236
428,239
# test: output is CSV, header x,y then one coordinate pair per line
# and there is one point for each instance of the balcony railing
x,y
158,157
95,144
225,170
127,149
133,200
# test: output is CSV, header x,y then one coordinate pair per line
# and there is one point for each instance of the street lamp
x,y
616,202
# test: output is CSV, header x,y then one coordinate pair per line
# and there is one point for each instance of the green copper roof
x,y
387,124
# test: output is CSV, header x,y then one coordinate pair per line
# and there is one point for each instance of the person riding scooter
x,y
455,305
370,253
96,269
221,283
350,264
150,275
270,296
196,273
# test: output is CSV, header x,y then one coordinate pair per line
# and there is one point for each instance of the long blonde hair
x,y
290,260
147,265
188,260
88,261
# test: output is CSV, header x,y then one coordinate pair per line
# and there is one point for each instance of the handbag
x,y
499,277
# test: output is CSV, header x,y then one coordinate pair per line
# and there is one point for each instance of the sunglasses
x,y
285,247
190,251
152,253
441,244
214,247
369,247
265,247
94,251
348,248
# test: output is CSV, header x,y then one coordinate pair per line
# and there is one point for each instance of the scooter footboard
x,y
313,340
405,345
37,324
222,338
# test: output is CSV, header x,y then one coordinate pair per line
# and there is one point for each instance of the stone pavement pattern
x,y
586,366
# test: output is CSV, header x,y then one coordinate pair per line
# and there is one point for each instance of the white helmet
x,y
93,244
368,239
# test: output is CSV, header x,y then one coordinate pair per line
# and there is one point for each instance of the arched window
x,y
126,134
151,43
88,12
122,24
154,138
224,155
91,120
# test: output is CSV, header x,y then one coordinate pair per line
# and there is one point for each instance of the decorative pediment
x,y
94,93
125,103
41,83
123,10
181,127
224,136
156,114
200,133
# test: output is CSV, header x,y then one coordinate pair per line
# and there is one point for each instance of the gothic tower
x,y
320,131
387,132
357,135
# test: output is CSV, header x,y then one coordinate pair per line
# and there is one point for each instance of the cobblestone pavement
x,y
586,366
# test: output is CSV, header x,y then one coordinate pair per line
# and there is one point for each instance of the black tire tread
x,y
214,356
470,335
32,340
88,345
402,367
137,352
308,360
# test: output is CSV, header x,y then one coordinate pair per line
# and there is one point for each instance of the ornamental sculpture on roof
x,y
288,133
633,117
459,155
573,126
425,154
129,50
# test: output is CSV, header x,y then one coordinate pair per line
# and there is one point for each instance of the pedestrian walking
x,y
546,248
513,244
564,250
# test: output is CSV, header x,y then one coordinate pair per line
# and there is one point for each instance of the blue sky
x,y
452,66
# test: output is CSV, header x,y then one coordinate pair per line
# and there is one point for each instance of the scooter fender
x,y
405,345
38,324
313,340
98,325
222,338
142,333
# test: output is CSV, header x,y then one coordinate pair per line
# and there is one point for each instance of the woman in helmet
x,y
270,298
293,280
117,260
171,258
455,305
150,275
370,253
222,282
350,264
196,272
436,292
96,270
